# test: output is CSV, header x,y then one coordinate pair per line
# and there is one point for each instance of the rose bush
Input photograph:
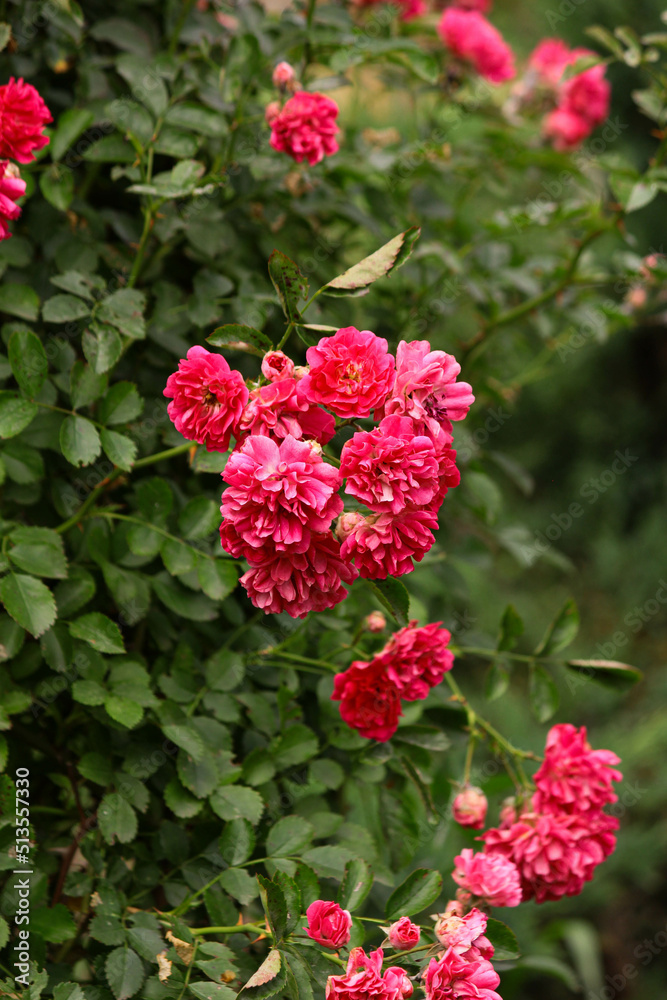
x,y
235,788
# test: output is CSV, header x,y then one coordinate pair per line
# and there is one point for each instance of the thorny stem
x,y
475,720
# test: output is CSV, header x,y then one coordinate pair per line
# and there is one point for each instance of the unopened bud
x,y
375,622
283,76
470,807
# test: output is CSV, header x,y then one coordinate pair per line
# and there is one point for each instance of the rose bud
x,y
470,807
403,933
375,622
277,366
283,76
328,924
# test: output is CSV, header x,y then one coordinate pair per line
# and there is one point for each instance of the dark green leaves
x,y
15,414
357,883
28,360
610,673
394,597
420,889
382,262
79,440
99,631
290,284
543,693
29,602
511,629
124,972
503,940
38,551
561,632
289,835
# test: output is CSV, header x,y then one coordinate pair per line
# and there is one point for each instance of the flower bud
x,y
277,366
283,76
403,933
272,111
347,522
470,807
375,622
328,924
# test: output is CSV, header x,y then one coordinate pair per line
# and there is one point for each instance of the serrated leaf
x,y
124,310
123,710
380,263
71,123
117,819
420,889
102,347
79,441
394,597
275,906
496,681
19,300
38,551
184,735
181,803
54,923
240,884
64,308
199,778
216,577
99,632
357,883
15,414
269,978
57,186
290,835
29,602
503,940
328,862
290,284
211,991
543,693
236,337
237,802
119,449
125,972
561,632
121,404
28,360
237,841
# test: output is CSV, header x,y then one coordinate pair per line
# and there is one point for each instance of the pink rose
x,y
549,60
369,702
469,808
491,877
23,115
573,777
417,658
207,398
403,933
363,979
452,977
328,924
383,545
566,128
470,36
11,189
280,409
426,389
350,372
465,935
277,366
283,76
306,127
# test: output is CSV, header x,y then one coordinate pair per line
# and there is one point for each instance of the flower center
x,y
210,398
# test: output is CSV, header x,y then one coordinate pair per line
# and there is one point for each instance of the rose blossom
x,y
277,366
391,466
403,933
363,979
454,977
23,115
470,36
417,658
383,545
207,398
587,94
11,189
549,60
469,808
490,877
554,853
369,702
426,388
298,582
283,76
279,409
305,128
375,622
566,128
281,492
465,935
328,924
573,777
350,373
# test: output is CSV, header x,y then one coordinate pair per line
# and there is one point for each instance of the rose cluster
x,y
582,101
23,115
370,693
305,126
472,38
283,496
550,846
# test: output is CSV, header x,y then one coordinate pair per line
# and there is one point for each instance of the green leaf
x,y
123,710
57,186
308,885
28,360
19,300
420,889
503,940
184,735
290,284
192,116
297,745
216,577
178,556
54,924
511,628
56,647
79,441
496,681
561,632
124,310
117,819
102,347
125,972
181,803
196,607
236,337
99,632
393,595
64,309
427,737
610,673
15,414
85,385
211,991
329,862
357,883
144,81
641,195
199,518
39,551
199,777
110,149
23,463
119,449
147,942
237,841
290,835
292,897
68,991
268,980
96,767
275,906
543,693
4,756
74,592
88,693
237,802
71,124
382,262
29,602
121,404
